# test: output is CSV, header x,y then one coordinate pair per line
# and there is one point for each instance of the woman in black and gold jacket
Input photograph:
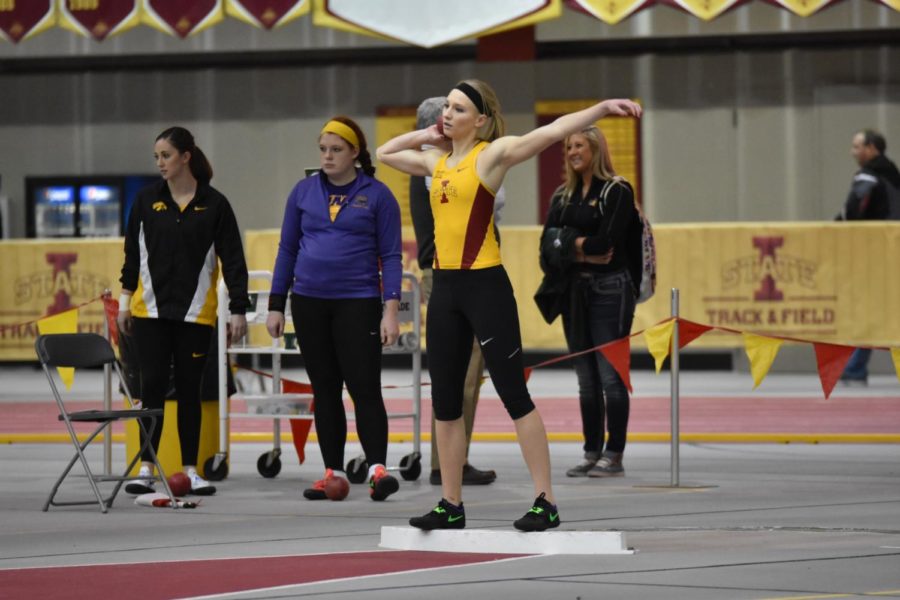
x,y
178,231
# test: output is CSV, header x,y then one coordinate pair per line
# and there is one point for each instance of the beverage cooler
x,y
80,206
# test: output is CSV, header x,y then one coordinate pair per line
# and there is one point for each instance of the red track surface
x,y
750,414
156,581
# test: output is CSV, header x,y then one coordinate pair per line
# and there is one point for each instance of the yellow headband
x,y
345,131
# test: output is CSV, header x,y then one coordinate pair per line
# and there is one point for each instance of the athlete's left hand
x,y
390,328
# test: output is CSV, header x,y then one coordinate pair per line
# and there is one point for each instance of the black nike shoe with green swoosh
x,y
542,516
442,516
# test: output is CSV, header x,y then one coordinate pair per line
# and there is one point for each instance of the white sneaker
x,y
141,486
200,486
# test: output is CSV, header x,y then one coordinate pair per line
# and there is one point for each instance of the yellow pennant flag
x,y
64,322
895,356
761,351
659,340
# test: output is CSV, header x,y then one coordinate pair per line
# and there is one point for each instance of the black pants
x,y
340,340
477,302
162,344
601,310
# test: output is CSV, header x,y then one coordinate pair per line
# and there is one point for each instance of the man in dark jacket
x,y
874,191
874,195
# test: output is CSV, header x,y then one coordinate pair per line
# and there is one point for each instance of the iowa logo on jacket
x,y
159,206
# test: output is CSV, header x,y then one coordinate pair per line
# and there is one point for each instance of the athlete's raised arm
x,y
508,151
404,152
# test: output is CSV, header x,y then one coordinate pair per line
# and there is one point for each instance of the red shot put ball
x,y
336,488
179,484
440,127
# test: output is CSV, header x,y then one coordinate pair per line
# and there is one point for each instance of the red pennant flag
x,y
111,308
299,427
831,360
618,353
21,20
688,331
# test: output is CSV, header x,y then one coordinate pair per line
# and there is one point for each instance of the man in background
x,y
874,195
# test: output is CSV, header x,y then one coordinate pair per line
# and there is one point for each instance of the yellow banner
x,y
821,281
390,123
45,277
816,281
828,282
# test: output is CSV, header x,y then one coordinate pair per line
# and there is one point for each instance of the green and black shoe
x,y
542,516
442,516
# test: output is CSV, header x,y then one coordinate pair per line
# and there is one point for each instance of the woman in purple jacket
x,y
339,224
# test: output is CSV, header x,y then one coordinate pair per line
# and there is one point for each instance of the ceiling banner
x,y
21,19
895,4
804,8
705,9
266,14
609,11
550,11
430,24
99,18
177,17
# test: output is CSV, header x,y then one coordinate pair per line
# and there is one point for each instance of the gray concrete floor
x,y
748,521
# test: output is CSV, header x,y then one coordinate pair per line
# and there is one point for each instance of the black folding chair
x,y
86,350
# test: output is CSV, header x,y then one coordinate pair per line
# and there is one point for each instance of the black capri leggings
x,y
340,340
477,302
162,344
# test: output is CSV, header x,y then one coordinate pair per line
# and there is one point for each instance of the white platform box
x,y
505,542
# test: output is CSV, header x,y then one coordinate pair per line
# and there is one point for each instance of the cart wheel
x,y
411,466
357,469
215,474
268,466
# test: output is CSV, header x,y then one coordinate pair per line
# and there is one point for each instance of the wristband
x,y
125,303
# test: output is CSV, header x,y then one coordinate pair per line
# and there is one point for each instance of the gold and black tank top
x,y
463,209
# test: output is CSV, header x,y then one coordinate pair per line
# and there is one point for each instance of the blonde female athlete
x,y
472,294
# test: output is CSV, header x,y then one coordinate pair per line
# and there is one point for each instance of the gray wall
x,y
731,135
